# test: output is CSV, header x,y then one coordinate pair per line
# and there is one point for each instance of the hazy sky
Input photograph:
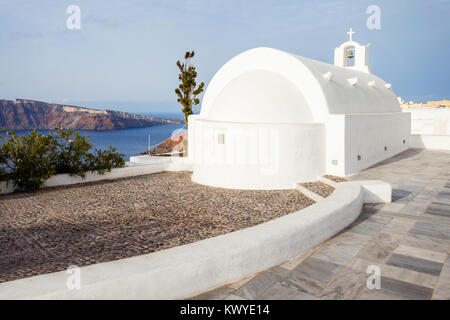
x,y
124,55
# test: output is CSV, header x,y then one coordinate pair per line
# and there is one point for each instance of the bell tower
x,y
352,55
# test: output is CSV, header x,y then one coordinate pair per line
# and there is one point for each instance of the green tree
x,y
188,91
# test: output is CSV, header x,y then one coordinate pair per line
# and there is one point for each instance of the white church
x,y
271,119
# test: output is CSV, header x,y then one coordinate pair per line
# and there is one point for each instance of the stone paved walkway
x,y
96,222
409,239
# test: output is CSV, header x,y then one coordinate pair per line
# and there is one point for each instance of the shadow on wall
x,y
404,155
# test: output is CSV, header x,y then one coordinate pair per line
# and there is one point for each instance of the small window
x,y
221,138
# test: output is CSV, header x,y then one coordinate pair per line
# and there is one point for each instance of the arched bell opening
x,y
349,56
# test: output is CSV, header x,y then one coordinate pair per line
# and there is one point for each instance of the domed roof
x,y
269,85
260,96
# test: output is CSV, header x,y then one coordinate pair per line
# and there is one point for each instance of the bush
x,y
28,160
104,160
71,153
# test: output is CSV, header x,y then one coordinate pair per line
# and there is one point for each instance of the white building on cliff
x,y
270,119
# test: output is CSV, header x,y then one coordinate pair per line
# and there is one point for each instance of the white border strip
x,y
186,270
135,169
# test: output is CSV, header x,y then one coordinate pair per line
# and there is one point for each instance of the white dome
x,y
269,85
260,96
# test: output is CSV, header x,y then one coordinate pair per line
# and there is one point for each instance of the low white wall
x,y
430,121
430,141
166,164
365,135
193,268
256,155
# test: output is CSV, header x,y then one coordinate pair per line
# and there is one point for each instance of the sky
x,y
123,56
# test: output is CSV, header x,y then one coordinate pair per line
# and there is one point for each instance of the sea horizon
x,y
130,141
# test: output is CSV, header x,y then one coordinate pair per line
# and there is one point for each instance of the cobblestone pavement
x,y
95,222
408,239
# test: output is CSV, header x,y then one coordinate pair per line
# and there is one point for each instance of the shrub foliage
x,y
28,160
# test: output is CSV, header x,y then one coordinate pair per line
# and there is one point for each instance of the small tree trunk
x,y
186,115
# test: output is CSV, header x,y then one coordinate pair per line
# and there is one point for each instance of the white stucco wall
x,y
430,121
256,155
261,96
430,141
366,135
430,128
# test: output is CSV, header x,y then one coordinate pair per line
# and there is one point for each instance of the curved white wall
x,y
268,59
260,96
255,155
334,96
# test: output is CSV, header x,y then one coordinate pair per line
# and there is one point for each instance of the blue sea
x,y
130,142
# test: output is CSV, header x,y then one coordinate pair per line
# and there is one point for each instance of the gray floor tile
x,y
416,264
404,290
432,230
216,294
313,274
366,227
286,289
421,253
425,242
347,284
338,253
380,247
375,294
443,286
258,285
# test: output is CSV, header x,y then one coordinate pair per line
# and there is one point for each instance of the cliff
x,y
27,114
